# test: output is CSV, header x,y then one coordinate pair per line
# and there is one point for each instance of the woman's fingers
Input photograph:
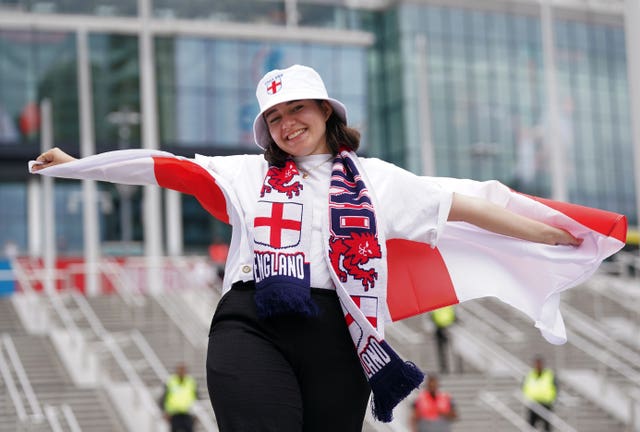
x,y
51,157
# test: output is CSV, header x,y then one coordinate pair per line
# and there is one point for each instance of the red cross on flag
x,y
278,224
369,307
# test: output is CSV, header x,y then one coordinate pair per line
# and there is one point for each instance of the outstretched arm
x,y
494,218
141,167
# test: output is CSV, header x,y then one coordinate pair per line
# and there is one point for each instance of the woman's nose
x,y
287,121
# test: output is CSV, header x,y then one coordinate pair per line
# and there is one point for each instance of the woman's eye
x,y
273,120
297,108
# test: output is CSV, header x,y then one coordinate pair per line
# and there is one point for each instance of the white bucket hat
x,y
283,85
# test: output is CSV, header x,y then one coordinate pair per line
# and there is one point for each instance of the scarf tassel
x,y
281,298
391,385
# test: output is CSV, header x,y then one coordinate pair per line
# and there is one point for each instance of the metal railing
x,y
513,367
490,320
29,394
495,403
53,415
202,413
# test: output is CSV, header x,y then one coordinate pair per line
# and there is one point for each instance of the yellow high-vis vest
x,y
540,388
180,395
444,316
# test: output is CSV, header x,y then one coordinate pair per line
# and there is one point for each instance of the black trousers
x,y
442,341
534,418
181,423
284,374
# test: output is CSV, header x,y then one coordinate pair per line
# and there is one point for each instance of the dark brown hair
x,y
338,134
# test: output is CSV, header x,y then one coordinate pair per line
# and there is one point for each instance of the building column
x,y
632,37
90,217
173,215
552,140
151,195
48,204
424,107
34,215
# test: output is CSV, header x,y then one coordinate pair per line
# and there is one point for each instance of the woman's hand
x,y
558,236
51,157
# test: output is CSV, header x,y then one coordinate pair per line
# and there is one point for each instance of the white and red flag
x,y
470,263
467,263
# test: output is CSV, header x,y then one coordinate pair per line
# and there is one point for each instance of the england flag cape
x,y
423,268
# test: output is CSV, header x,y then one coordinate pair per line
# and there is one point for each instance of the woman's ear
x,y
327,109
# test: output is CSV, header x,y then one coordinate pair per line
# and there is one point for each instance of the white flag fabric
x,y
467,263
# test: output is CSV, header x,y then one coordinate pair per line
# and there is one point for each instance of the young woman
x,y
316,231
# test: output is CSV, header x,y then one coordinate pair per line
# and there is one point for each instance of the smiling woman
x,y
297,340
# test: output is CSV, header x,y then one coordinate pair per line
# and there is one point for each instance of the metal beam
x,y
182,27
90,223
632,35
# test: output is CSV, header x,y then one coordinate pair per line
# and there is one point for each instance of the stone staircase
x,y
51,383
155,319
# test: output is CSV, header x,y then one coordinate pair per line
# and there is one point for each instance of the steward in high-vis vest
x,y
433,410
540,386
443,318
181,391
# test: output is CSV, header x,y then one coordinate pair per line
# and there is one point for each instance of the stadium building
x,y
541,95
449,88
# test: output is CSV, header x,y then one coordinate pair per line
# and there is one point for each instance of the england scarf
x,y
467,262
356,254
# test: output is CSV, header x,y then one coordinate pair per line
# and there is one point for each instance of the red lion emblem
x,y
356,250
277,178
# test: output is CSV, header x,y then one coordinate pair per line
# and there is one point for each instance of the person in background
x,y
443,318
540,387
181,392
433,410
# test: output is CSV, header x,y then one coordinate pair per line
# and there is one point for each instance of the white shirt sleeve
x,y
414,207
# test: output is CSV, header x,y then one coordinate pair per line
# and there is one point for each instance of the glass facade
x,y
34,66
206,100
591,61
87,7
483,71
207,87
13,217
485,78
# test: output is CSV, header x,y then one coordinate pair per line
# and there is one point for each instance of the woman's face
x,y
299,127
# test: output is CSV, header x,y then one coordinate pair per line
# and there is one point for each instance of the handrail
x,y
149,355
13,390
204,417
601,286
121,282
23,279
116,352
70,417
493,320
22,376
94,322
52,418
515,367
54,298
605,358
62,312
163,374
178,319
492,401
586,326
